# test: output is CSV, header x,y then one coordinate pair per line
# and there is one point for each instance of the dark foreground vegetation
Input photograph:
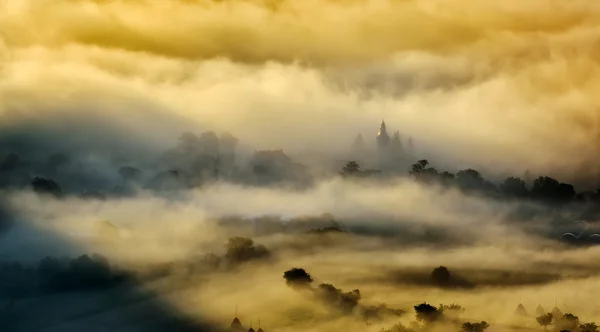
x,y
95,272
427,316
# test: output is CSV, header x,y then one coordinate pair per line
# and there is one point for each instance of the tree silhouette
x,y
568,322
421,172
427,313
589,327
211,261
469,179
447,178
549,190
514,187
441,276
46,186
398,327
209,143
297,277
351,168
241,249
417,168
189,143
50,266
82,273
345,301
452,309
545,320
475,327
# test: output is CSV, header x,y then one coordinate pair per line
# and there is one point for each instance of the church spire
x,y
359,142
236,325
396,137
383,139
382,129
259,328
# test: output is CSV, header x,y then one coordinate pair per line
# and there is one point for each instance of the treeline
x,y
53,274
342,302
427,317
92,272
566,322
543,189
196,160
348,303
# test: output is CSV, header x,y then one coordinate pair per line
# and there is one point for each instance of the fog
x,y
397,234
506,86
96,95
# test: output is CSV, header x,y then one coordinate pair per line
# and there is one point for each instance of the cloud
x,y
479,84
494,252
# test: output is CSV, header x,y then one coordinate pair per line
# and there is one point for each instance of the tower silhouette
x,y
383,139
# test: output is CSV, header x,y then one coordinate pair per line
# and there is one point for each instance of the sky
x,y
503,87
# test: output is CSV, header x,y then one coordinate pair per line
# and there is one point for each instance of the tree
x,y
211,261
380,312
419,167
297,278
209,143
427,313
398,327
421,172
46,186
549,190
241,249
189,143
82,273
568,322
475,327
447,177
441,276
429,174
50,266
588,327
514,187
469,180
452,309
545,320
345,301
351,168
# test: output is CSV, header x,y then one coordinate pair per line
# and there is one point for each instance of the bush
x,y
241,249
475,327
297,278
46,186
333,296
427,313
441,276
